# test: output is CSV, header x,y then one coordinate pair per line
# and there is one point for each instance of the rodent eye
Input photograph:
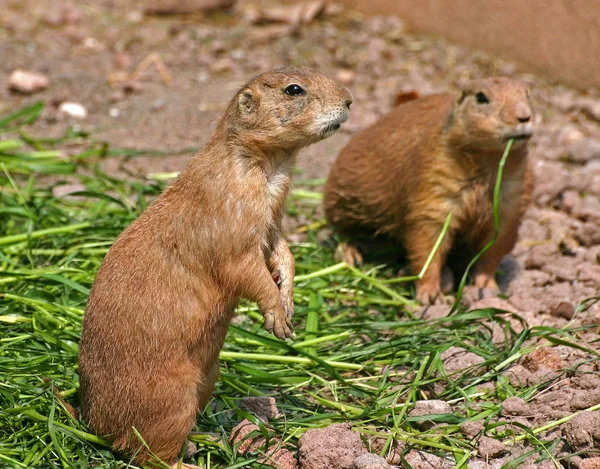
x,y
294,90
481,98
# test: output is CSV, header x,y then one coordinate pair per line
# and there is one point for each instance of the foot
x,y
447,280
429,294
279,324
486,281
349,254
286,293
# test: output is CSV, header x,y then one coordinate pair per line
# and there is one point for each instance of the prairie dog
x,y
163,298
402,176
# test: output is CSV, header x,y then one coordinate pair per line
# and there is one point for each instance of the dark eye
x,y
294,90
481,98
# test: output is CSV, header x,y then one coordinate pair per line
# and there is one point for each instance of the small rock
x,y
585,399
91,43
60,15
543,357
588,272
590,463
116,96
222,65
583,150
490,447
190,449
122,61
582,433
423,460
333,447
346,76
430,407
27,82
588,234
563,271
74,110
279,458
563,310
589,381
394,451
263,407
571,202
515,406
240,435
471,428
371,461
157,105
540,255
131,86
456,359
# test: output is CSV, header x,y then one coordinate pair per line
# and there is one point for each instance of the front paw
x,y
279,324
486,281
429,294
349,254
285,293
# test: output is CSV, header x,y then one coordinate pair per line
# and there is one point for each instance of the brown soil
x,y
553,269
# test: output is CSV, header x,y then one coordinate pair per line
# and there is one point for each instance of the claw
x,y
269,322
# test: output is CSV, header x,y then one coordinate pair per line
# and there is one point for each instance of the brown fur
x,y
162,301
429,157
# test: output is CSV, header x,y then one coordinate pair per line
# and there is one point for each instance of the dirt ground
x,y
553,269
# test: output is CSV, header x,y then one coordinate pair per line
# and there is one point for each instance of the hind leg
x,y
420,240
348,253
162,407
204,392
207,386
484,274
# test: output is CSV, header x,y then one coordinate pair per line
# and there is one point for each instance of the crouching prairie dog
x,y
163,298
402,176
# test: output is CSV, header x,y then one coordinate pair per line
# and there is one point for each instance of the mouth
x,y
520,133
518,136
331,128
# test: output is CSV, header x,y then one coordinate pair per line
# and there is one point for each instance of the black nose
x,y
524,119
348,102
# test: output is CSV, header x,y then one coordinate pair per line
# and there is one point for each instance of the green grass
x,y
360,354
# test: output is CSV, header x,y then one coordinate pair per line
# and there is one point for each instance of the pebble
x,y
73,109
490,447
262,406
27,82
371,461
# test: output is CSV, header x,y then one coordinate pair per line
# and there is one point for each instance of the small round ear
x,y
247,102
462,97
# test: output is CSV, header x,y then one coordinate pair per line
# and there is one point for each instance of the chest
x,y
264,200
477,198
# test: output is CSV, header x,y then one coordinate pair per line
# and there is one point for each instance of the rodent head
x,y
289,108
491,111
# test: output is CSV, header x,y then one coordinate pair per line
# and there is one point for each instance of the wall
x,y
556,38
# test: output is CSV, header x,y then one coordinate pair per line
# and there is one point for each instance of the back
x,y
380,166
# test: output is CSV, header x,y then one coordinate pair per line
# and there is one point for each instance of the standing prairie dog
x,y
403,175
163,298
